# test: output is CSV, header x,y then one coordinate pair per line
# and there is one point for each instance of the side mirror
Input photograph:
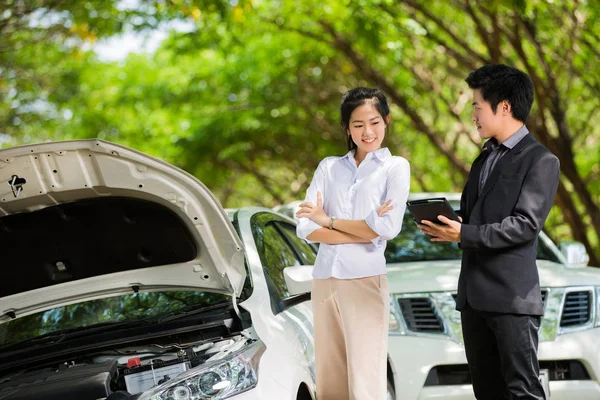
x,y
294,300
298,279
575,253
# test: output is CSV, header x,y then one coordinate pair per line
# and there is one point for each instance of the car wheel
x,y
391,393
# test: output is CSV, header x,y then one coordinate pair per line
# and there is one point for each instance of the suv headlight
x,y
215,380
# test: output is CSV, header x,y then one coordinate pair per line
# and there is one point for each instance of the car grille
x,y
420,315
458,374
576,309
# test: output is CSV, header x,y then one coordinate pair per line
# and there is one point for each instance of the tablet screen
x,y
429,209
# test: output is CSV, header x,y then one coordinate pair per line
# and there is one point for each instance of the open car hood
x,y
87,219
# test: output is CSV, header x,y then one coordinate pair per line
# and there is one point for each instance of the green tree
x,y
248,101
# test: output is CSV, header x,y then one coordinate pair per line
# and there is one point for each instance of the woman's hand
x,y
315,213
384,208
318,215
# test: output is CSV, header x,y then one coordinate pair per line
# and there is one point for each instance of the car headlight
x,y
394,324
214,380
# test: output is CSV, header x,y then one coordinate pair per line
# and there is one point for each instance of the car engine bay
x,y
122,373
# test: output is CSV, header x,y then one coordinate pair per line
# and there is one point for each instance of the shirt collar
x,y
509,143
381,154
490,145
516,137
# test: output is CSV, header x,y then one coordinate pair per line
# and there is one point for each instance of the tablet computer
x,y
429,209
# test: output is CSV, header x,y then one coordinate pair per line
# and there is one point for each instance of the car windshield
x,y
412,245
129,307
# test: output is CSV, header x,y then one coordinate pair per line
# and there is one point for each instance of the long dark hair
x,y
356,97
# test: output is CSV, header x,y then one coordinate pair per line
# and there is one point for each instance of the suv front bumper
x,y
413,358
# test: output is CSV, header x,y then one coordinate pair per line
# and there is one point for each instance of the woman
x,y
354,204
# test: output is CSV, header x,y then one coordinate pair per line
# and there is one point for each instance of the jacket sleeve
x,y
306,226
463,206
389,225
534,203
463,202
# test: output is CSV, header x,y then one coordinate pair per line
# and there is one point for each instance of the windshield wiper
x,y
190,310
58,336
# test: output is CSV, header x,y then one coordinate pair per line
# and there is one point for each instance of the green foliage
x,y
248,100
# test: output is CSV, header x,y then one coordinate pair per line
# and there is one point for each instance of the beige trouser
x,y
351,319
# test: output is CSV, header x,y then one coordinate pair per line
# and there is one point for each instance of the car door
x,y
279,247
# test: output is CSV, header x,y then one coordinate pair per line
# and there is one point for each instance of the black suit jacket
x,y
500,230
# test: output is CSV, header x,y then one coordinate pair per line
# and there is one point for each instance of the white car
x,y
425,342
426,352
123,278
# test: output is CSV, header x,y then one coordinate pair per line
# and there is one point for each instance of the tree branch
x,y
299,31
461,58
262,179
492,41
374,76
440,24
426,77
578,228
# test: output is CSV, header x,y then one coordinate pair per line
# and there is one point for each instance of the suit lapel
x,y
473,183
505,161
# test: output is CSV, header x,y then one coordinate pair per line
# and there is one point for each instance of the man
x,y
504,205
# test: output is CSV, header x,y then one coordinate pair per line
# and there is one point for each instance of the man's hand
x,y
315,213
448,232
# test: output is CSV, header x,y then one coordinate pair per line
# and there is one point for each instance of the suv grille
x,y
420,315
577,309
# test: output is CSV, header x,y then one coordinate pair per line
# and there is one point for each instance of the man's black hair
x,y
500,82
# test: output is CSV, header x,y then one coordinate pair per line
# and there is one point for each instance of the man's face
x,y
488,124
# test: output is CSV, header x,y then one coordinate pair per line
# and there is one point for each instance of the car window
x,y
545,253
412,245
275,254
307,253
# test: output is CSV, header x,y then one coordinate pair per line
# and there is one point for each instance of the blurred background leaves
x,y
244,94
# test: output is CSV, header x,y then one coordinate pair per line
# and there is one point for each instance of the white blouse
x,y
355,193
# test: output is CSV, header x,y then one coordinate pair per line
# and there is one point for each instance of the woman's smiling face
x,y
367,128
